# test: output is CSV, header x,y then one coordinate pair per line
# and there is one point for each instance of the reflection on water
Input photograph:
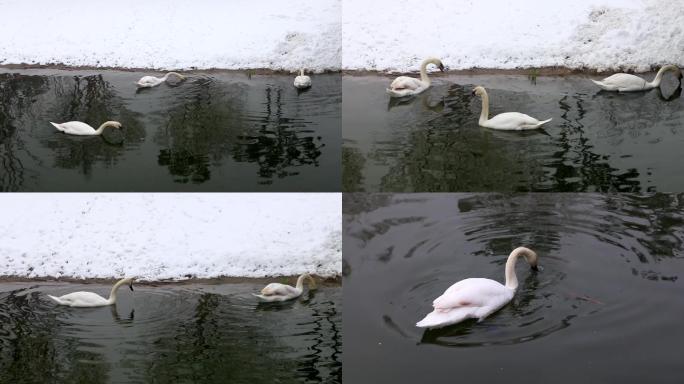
x,y
223,131
612,267
597,141
193,334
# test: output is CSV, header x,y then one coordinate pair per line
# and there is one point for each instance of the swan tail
x,y
59,128
55,299
604,86
399,92
437,319
543,122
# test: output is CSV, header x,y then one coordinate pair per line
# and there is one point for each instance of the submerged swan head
x,y
113,124
129,280
531,258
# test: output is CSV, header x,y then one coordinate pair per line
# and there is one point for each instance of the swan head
x,y
529,255
312,282
129,281
113,124
435,61
479,91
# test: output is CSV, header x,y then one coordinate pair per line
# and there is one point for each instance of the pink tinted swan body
x,y
476,297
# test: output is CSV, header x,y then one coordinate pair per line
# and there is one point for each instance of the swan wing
x,y
277,289
469,298
513,121
474,292
148,81
437,319
75,128
622,82
405,82
81,299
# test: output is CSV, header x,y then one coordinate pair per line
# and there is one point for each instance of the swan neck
x,y
511,277
102,128
423,72
112,293
301,72
300,281
484,115
171,73
659,75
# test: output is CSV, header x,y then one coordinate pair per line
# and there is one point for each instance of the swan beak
x,y
130,286
442,68
535,268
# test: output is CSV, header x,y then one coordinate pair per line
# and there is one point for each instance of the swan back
x,y
469,298
302,81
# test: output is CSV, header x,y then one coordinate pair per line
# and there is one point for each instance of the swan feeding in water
x,y
476,297
151,81
624,82
283,292
90,299
302,81
510,121
82,129
408,86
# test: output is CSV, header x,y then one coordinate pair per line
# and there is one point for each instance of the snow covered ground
x,y
170,236
395,35
383,35
235,34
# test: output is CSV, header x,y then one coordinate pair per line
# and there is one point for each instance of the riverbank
x,y
155,34
158,237
602,35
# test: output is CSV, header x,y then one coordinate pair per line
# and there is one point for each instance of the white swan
x,y
83,129
624,82
476,297
90,299
302,81
407,86
283,292
513,121
151,81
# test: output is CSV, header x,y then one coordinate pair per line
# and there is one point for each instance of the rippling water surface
x,y
607,306
214,132
597,141
183,334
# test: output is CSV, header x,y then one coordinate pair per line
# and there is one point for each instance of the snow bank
x,y
170,236
393,35
235,34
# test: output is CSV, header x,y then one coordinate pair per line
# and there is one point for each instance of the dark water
x,y
597,141
213,132
187,334
606,308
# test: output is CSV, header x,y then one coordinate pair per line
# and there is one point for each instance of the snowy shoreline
x,y
324,281
157,237
238,34
333,35
600,35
